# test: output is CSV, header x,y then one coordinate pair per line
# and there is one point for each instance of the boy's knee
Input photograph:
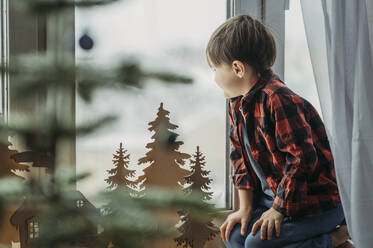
x,y
235,239
232,244
255,242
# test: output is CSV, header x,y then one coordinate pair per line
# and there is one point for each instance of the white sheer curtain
x,y
338,34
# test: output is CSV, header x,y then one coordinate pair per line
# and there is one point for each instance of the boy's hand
x,y
242,216
270,219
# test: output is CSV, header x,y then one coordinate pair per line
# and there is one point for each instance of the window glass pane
x,y
161,34
298,68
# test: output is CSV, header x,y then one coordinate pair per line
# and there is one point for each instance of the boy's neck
x,y
250,84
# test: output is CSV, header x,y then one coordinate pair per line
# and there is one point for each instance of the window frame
x,y
272,13
4,53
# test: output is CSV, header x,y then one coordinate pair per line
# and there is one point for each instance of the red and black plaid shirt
x,y
289,141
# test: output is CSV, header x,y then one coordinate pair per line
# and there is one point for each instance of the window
x,y
33,228
167,35
298,68
79,203
4,57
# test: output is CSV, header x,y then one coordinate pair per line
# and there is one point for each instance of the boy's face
x,y
229,78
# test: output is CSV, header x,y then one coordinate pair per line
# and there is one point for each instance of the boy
x,y
282,163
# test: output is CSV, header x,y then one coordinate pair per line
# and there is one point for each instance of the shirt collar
x,y
265,77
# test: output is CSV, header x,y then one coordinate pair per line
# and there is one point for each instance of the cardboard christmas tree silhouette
x,y
118,179
40,159
8,164
30,221
8,167
164,156
195,233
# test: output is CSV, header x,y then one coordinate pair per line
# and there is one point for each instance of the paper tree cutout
x,y
164,158
8,167
37,159
27,219
8,164
195,233
118,179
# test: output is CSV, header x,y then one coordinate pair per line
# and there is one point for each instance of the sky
x,y
171,35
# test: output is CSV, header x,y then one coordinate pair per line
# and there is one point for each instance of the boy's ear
x,y
238,68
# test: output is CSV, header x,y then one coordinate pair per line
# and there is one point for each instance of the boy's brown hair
x,y
245,39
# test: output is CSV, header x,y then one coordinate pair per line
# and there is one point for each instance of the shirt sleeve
x,y
293,136
241,177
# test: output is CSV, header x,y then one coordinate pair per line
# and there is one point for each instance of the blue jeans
x,y
307,232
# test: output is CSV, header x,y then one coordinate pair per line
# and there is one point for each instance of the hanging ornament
x,y
86,42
